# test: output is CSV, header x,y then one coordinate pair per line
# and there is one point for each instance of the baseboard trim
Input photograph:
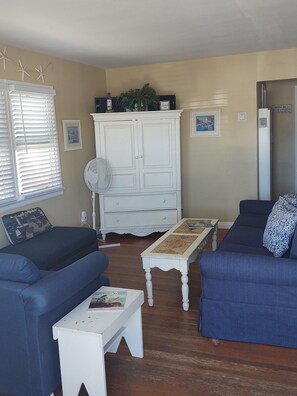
x,y
225,224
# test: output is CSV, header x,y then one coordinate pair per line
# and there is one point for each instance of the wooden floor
x,y
178,361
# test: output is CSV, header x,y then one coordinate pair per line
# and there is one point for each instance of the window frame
x,y
46,129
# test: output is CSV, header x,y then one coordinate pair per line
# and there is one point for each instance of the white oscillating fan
x,y
98,179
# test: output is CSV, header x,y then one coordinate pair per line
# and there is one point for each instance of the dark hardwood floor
x,y
178,361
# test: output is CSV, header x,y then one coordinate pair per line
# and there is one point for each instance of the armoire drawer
x,y
149,218
139,202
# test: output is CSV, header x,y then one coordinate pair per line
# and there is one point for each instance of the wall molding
x,y
225,224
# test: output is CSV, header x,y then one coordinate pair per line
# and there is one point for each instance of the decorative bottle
x,y
109,103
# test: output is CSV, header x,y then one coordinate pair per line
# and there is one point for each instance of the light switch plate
x,y
242,116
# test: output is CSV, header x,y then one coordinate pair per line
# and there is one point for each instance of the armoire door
x,y
157,155
117,143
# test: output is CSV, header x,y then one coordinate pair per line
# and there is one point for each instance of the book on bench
x,y
108,300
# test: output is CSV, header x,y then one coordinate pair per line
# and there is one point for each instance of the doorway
x,y
280,97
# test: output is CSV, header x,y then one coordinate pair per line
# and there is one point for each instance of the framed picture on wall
x,y
72,135
205,123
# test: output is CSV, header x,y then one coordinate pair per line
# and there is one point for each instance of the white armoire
x,y
143,150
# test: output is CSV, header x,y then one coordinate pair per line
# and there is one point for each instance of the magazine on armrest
x,y
108,300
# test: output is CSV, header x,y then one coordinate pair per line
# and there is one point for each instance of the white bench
x,y
84,337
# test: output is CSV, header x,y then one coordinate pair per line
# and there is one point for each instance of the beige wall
x,y
76,87
217,172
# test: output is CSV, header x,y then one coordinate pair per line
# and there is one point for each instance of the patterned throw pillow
x,y
281,225
26,224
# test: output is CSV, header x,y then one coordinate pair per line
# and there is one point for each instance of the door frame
x,y
295,115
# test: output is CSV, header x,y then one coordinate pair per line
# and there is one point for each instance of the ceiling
x,y
118,33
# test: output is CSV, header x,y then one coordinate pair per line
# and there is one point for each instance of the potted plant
x,y
127,100
138,99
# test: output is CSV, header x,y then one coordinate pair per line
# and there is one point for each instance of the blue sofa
x,y
248,294
31,301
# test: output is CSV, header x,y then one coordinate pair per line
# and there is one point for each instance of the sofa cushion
x,y
16,268
281,225
251,220
246,236
26,224
238,248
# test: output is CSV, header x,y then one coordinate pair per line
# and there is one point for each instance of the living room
x,y
217,172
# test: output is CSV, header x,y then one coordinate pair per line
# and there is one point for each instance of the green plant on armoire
x,y
138,99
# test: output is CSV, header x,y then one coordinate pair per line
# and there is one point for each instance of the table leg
x,y
149,286
185,290
81,361
214,238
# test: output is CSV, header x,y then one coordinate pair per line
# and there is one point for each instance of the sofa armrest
x,y
61,286
256,206
252,268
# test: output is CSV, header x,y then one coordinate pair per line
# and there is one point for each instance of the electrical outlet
x,y
83,217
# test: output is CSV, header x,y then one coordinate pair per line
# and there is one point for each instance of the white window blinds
x,y
29,144
7,180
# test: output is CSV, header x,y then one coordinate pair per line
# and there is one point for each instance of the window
x,y
29,153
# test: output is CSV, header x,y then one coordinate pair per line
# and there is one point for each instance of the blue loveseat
x,y
248,294
31,301
50,248
57,248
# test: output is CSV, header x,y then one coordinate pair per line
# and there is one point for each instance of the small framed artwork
x,y
205,123
165,99
164,104
72,135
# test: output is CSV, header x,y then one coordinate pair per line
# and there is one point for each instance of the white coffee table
x,y
176,249
84,337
